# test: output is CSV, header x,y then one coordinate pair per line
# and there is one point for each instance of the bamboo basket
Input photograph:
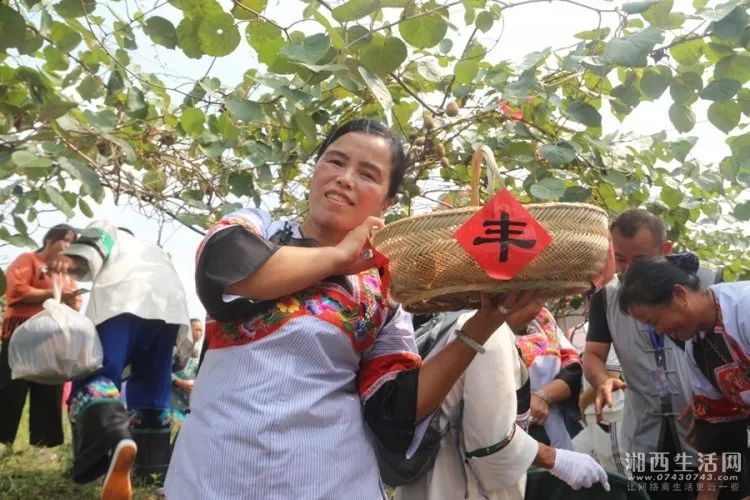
x,y
431,272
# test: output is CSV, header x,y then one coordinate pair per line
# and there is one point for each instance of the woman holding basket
x,y
306,354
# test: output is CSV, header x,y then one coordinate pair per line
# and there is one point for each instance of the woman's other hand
x,y
494,310
352,252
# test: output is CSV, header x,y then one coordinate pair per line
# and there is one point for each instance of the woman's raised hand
x,y
494,311
353,252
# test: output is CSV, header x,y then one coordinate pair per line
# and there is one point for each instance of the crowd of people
x,y
308,380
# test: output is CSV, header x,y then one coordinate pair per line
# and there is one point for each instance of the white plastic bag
x,y
55,345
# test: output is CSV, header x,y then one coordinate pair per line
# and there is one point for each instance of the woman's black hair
x,y
373,127
652,281
57,233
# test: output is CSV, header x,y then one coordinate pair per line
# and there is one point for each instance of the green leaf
x,y
718,13
548,189
378,89
75,8
241,183
735,67
305,124
354,9
79,170
484,21
264,174
248,9
192,121
558,154
655,81
90,88
466,70
59,201
724,115
424,31
577,194
247,111
161,31
632,50
52,110
3,282
742,211
688,52
65,38
638,7
597,34
383,55
187,37
227,128
56,59
85,208
740,147
733,25
681,148
31,41
336,40
721,89
584,113
137,106
104,120
658,14
729,168
672,197
27,159
218,35
155,180
681,117
744,99
310,51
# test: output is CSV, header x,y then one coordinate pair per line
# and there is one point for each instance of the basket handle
x,y
483,152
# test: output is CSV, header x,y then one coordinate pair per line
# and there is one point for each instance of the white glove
x,y
578,470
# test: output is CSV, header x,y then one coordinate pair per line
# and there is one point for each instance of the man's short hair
x,y
195,320
631,221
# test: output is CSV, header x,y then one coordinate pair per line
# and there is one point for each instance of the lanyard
x,y
657,341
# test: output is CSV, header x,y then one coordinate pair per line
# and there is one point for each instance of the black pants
x,y
45,407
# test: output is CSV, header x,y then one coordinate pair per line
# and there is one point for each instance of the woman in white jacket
x,y
487,455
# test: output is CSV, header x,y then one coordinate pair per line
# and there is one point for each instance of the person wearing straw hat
x,y
29,284
307,359
139,308
655,367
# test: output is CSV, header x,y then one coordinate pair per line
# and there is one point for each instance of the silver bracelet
x,y
470,342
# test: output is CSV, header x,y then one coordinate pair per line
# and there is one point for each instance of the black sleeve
x,y
390,413
721,437
229,256
571,375
598,327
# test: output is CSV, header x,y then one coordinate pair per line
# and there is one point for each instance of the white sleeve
x,y
498,452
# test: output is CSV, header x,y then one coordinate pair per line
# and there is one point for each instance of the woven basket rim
x,y
460,210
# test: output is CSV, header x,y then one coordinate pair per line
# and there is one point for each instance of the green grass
x,y
28,472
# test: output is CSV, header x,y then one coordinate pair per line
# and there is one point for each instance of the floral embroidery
x,y
288,305
359,315
150,418
98,389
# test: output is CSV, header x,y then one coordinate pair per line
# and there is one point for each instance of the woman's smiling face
x,y
350,182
